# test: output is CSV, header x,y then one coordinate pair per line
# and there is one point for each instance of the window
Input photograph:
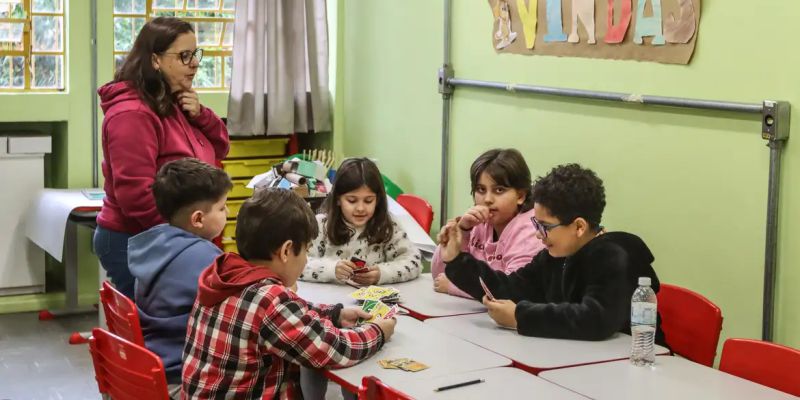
x,y
213,24
32,45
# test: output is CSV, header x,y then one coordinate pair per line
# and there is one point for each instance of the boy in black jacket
x,y
581,286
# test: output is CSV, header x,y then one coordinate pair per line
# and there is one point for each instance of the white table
x,y
326,293
670,378
53,220
443,353
499,383
417,296
532,353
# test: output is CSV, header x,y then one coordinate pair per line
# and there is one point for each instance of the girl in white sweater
x,y
357,224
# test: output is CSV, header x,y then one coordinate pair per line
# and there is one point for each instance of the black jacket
x,y
586,296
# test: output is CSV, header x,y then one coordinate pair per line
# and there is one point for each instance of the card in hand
x,y
486,289
361,265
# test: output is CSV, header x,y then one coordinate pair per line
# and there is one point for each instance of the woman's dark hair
x,y
155,38
351,175
506,167
570,191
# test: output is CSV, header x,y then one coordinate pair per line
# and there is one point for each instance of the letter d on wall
x,y
616,33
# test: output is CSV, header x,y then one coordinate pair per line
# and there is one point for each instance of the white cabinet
x,y
21,179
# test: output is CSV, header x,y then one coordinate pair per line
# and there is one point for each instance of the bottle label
x,y
643,313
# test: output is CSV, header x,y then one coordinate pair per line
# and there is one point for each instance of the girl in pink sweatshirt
x,y
498,228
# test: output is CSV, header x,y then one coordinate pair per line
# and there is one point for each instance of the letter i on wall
x,y
648,26
555,29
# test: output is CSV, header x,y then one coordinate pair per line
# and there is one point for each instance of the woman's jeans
x,y
111,248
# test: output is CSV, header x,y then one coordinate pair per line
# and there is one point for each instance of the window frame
x,y
214,52
28,52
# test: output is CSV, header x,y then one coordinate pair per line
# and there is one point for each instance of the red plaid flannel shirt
x,y
251,346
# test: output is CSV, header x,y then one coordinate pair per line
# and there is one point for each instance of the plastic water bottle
x,y
644,308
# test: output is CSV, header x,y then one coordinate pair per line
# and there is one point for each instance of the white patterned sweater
x,y
398,259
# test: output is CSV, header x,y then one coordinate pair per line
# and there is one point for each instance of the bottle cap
x,y
644,281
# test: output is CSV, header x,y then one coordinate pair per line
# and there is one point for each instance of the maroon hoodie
x,y
228,276
136,143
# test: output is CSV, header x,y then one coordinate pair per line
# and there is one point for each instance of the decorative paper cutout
x,y
682,29
648,26
582,10
504,35
616,33
555,29
529,16
614,41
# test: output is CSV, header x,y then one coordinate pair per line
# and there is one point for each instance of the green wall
x,y
67,116
692,184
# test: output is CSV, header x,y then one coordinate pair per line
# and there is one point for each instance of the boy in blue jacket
x,y
167,259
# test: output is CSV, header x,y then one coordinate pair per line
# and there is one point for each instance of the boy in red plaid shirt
x,y
248,334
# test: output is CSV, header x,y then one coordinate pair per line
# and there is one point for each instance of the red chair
x,y
373,389
125,370
691,323
122,317
765,363
419,208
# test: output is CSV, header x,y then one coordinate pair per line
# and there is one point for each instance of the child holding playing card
x,y
248,333
581,287
358,239
497,229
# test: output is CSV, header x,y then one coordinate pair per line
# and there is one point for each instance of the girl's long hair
x,y
351,175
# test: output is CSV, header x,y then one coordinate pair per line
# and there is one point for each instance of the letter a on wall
x,y
648,26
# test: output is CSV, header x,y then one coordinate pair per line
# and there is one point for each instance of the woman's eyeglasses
x,y
186,56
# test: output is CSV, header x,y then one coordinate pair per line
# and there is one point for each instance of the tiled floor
x,y
37,363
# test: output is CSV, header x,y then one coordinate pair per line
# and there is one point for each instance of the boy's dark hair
x,y
506,167
570,191
183,182
351,175
270,218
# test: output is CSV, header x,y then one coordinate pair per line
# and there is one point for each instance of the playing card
x,y
386,364
361,265
413,366
485,289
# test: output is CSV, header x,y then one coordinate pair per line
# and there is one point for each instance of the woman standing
x,y
152,116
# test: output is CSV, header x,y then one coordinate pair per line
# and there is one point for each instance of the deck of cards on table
x,y
384,294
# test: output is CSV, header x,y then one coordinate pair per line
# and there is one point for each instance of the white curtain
x,y
279,83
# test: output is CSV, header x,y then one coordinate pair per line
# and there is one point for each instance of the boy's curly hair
x,y
570,191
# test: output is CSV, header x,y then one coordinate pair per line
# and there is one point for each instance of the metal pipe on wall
x,y
93,88
446,100
775,129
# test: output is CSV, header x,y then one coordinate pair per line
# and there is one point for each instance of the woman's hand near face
x,y
190,103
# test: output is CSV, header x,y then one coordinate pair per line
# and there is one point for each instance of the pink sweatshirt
x,y
136,143
514,249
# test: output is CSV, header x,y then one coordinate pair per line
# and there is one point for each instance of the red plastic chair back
x,y
765,363
125,370
419,208
122,317
691,323
373,389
